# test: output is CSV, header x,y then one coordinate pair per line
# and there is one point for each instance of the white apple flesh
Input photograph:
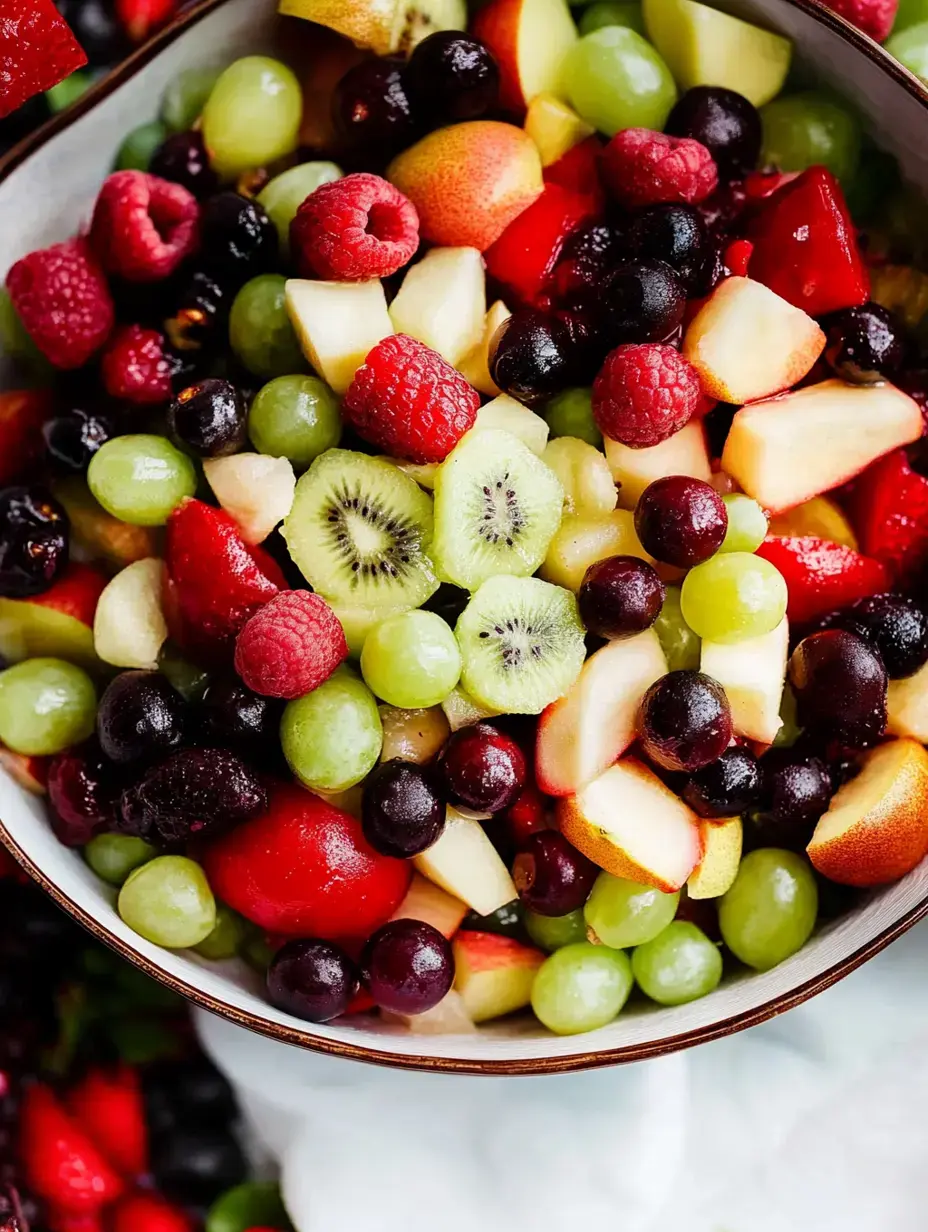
x,y
752,673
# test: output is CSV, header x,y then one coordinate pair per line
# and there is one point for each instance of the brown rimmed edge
x,y
341,1048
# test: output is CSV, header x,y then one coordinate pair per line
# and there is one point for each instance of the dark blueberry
x,y
82,793
681,521
238,239
407,966
402,811
551,875
190,1093
96,29
182,159
726,123
30,506
482,768
794,792
140,717
895,624
644,301
32,558
194,1166
198,315
315,980
620,596
865,344
675,234
233,716
452,76
587,259
372,114
839,681
684,721
72,440
530,356
210,418
725,787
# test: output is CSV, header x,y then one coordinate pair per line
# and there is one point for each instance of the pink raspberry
x,y
644,393
62,298
135,367
290,645
874,17
143,227
641,167
354,229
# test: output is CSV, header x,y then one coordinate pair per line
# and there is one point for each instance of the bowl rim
x,y
303,1037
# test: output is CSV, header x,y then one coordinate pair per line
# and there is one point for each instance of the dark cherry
x,y
210,418
726,123
620,596
407,966
865,344
895,624
310,979
71,440
839,681
198,314
34,505
371,110
530,356
238,240
451,77
676,234
644,301
794,792
96,29
193,1166
482,768
233,716
32,558
681,521
140,717
551,875
402,811
725,787
182,159
82,792
191,1093
684,721
587,259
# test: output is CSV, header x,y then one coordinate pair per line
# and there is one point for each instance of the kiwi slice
x,y
522,644
360,532
497,506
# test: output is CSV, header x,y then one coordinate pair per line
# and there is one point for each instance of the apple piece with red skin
x,y
890,515
525,254
529,40
28,772
493,974
22,414
430,903
822,576
578,172
58,623
875,829
591,726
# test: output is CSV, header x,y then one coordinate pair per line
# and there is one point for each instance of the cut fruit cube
x,y
254,489
752,673
784,451
524,256
820,517
580,541
129,627
891,515
493,974
443,302
507,415
461,710
338,324
428,902
822,576
907,706
684,453
466,864
589,488
385,27
529,39
448,1017
747,343
718,868
589,728
57,624
554,127
475,366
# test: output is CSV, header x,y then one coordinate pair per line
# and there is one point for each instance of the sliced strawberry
x,y
737,257
22,414
821,576
805,246
60,1163
108,1106
528,250
37,50
760,185
890,515
578,171
148,1212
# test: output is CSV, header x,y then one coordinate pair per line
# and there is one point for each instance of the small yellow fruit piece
x,y
337,324
129,626
684,453
474,367
589,488
412,735
820,517
254,489
581,541
464,862
554,127
718,868
907,706
443,302
508,415
448,1017
461,710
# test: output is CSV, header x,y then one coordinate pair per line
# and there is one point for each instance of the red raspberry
x,y
874,17
644,393
408,401
354,229
644,168
143,227
62,298
135,367
290,646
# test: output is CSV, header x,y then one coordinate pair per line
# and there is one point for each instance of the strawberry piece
x,y
22,414
737,257
821,576
148,1212
68,1221
60,1163
578,172
874,17
890,515
108,1106
524,256
805,246
37,50
140,17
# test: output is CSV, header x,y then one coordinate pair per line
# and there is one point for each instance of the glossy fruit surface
x,y
770,910
551,932
680,965
407,966
141,478
620,596
168,901
482,768
82,790
114,856
182,158
725,122
282,196
451,77
678,641
733,596
295,417
315,980
332,736
725,787
581,987
809,129
747,524
372,112
238,240
260,332
529,356
402,811
615,80
676,234
411,660
681,521
644,301
866,344
895,624
552,877
209,418
233,716
684,721
140,717
46,705
795,790
32,558
623,913
71,440
840,683
252,116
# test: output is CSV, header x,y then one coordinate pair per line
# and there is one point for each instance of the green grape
x,y
168,901
141,479
228,934
256,1204
411,660
680,965
46,705
910,47
135,153
284,195
623,913
733,596
581,987
260,331
189,680
68,91
909,13
615,79
612,13
747,524
679,642
790,731
186,96
295,417
257,952
769,912
551,932
252,117
332,737
571,414
802,130
114,856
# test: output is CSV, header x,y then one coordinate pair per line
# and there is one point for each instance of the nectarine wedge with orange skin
x,y
469,181
876,828
529,39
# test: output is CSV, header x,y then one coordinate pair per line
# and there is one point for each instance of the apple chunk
x,y
630,824
684,453
752,673
876,827
493,974
129,626
529,39
443,302
718,868
430,903
588,729
466,864
748,343
337,324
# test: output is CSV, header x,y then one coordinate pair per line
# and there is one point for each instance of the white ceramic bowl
x,y
47,187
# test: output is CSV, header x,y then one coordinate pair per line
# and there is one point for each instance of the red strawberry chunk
x,y
822,576
22,414
578,172
148,1212
37,50
874,17
891,515
108,1106
524,256
140,17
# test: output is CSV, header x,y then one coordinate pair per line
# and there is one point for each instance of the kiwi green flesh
x,y
360,532
522,644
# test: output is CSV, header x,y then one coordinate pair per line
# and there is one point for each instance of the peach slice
x,y
684,453
430,903
469,181
907,706
718,868
876,828
529,39
493,974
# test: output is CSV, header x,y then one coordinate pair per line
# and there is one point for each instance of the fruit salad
x,y
464,533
